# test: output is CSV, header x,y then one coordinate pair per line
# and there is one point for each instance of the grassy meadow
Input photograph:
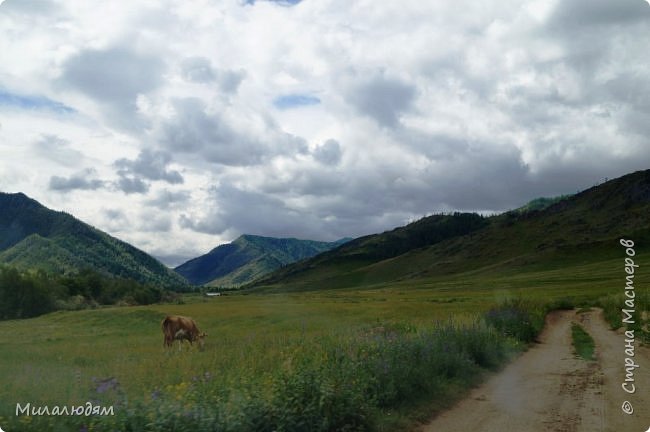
x,y
379,358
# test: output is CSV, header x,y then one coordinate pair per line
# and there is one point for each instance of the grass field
x,y
279,347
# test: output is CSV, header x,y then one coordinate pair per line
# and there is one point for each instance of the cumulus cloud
x,y
166,199
151,165
317,119
235,211
132,185
113,78
329,153
196,128
155,221
135,175
57,149
193,128
279,2
113,75
200,70
114,219
571,15
78,181
382,98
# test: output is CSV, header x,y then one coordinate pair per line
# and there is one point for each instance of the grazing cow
x,y
176,327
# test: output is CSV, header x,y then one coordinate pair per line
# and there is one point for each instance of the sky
x,y
177,126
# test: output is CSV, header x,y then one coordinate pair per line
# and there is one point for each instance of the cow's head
x,y
201,340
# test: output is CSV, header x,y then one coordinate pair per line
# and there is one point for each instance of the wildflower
x,y
155,395
106,384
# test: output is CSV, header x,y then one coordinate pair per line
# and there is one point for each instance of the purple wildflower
x,y
105,385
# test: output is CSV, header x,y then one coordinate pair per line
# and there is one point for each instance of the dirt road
x,y
549,389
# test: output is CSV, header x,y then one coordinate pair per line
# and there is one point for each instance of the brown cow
x,y
176,327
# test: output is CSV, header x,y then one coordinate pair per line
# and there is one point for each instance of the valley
x,y
381,333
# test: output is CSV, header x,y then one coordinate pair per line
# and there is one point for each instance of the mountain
x,y
540,203
248,258
544,234
375,248
35,237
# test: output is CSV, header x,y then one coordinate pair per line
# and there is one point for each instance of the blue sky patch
x,y
294,101
30,102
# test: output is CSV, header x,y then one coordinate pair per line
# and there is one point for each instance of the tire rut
x,y
549,389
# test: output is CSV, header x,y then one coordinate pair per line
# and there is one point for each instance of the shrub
x,y
341,383
518,319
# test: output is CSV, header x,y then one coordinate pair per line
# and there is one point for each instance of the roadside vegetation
x,y
517,318
612,306
382,358
351,383
583,343
296,375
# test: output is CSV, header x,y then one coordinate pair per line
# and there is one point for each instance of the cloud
x,y
195,128
114,220
166,199
150,165
79,181
114,75
230,80
237,211
42,7
132,185
135,175
55,148
113,78
278,2
329,153
200,70
383,99
572,15
155,221
114,214
316,119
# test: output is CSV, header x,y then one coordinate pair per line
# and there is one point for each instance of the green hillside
x,y
576,230
366,251
248,258
541,203
33,237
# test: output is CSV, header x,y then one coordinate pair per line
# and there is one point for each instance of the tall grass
x,y
343,385
520,319
612,306
326,362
